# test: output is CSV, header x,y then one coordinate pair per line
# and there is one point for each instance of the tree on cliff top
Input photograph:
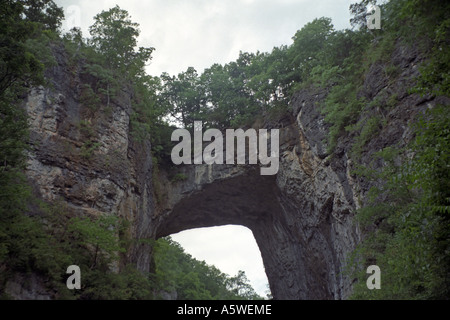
x,y
114,35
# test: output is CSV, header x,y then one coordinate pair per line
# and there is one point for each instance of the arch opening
x,y
248,200
230,248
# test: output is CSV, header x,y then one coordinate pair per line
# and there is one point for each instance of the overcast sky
x,y
199,33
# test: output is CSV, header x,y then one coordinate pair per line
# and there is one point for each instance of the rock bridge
x,y
300,218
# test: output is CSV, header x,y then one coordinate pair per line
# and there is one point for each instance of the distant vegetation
x,y
406,221
176,272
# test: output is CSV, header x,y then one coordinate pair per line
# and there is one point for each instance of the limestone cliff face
x,y
87,159
302,218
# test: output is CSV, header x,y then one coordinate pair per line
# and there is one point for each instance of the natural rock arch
x,y
248,199
301,218
221,195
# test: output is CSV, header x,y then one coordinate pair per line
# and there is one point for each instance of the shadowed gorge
x,y
87,179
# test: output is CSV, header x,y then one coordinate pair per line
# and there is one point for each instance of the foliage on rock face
x,y
409,216
26,28
53,237
405,221
406,218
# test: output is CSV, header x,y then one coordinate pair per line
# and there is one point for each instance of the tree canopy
x,y
405,221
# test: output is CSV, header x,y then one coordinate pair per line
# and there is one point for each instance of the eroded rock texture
x,y
302,218
85,158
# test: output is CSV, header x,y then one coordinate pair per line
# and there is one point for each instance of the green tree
x,y
99,236
44,12
272,79
227,103
239,285
308,44
184,97
114,38
176,271
114,35
18,64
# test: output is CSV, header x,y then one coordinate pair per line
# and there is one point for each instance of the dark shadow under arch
x,y
253,201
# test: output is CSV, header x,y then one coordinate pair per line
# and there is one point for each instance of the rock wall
x,y
302,218
86,158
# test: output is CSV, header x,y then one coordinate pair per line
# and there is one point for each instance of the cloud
x,y
199,33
